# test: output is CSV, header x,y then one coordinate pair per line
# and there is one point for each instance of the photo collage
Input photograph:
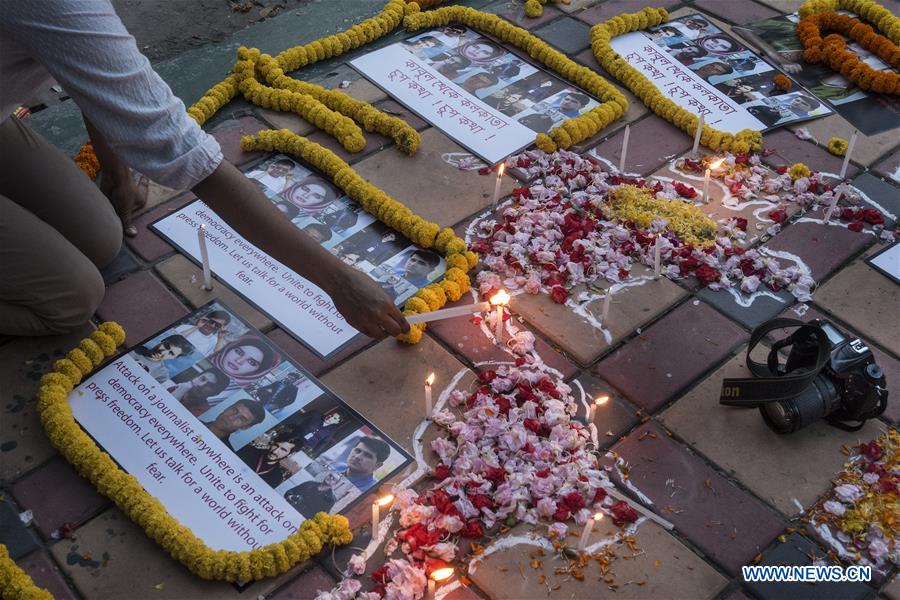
x,y
734,70
777,39
298,439
341,226
499,78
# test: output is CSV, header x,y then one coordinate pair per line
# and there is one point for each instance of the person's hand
x,y
365,305
126,195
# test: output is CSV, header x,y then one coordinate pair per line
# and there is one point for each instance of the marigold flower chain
x,y
601,35
390,212
16,584
782,82
571,131
886,22
832,50
144,509
87,160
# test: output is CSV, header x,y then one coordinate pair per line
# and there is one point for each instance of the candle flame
x,y
442,574
598,516
501,170
717,164
601,400
501,298
385,500
430,379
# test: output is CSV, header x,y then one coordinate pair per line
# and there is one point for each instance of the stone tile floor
x,y
728,484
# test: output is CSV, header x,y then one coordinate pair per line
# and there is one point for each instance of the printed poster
x,y
238,442
340,225
705,70
777,38
474,90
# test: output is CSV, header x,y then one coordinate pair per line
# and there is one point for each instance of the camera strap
x,y
768,385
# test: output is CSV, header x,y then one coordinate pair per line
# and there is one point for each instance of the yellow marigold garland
x,y
389,211
570,131
886,22
782,82
16,584
601,36
145,510
837,146
87,160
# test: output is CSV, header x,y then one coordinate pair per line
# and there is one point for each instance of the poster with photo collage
x,y
235,439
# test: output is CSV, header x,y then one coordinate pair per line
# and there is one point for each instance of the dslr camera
x,y
827,375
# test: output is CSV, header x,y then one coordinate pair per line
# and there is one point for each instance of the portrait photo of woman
x,y
245,360
310,195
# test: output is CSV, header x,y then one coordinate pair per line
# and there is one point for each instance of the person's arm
x,y
359,299
116,182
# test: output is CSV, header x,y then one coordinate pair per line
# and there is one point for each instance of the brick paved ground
x,y
729,485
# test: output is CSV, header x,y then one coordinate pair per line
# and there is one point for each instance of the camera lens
x,y
818,400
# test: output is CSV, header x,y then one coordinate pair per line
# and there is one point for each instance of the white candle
x,y
498,328
697,134
586,532
428,405
624,148
498,183
376,518
438,576
847,156
829,210
432,588
706,186
606,302
598,401
204,258
657,258
447,313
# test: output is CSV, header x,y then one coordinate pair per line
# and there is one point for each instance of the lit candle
x,y
428,407
657,252
498,183
847,156
500,299
598,401
438,576
624,148
586,533
447,313
376,512
709,169
697,134
607,300
204,258
830,210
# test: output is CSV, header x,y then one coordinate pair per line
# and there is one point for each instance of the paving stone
x,y
653,142
229,134
605,11
306,357
515,13
431,187
286,120
748,310
23,444
142,305
374,143
795,551
306,585
567,34
868,148
866,299
889,166
359,88
391,397
789,150
669,569
729,525
120,267
822,248
573,6
653,368
631,307
467,338
788,471
394,108
887,362
736,594
736,12
14,534
879,192
46,575
613,418
892,589
186,277
113,558
147,244
73,500
636,108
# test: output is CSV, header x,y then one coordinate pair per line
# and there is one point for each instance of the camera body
x,y
827,375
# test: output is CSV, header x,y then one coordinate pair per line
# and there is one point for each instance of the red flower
x,y
520,361
495,474
487,376
441,501
559,294
532,425
685,191
484,171
574,501
687,265
472,529
873,216
480,501
848,214
380,575
779,215
599,496
781,170
706,274
441,472
741,223
856,226
872,451
562,513
623,513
